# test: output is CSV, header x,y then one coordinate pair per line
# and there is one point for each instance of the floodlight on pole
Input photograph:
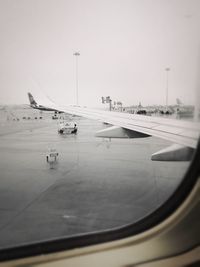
x,y
76,54
167,85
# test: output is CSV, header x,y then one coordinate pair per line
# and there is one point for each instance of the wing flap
x,y
119,132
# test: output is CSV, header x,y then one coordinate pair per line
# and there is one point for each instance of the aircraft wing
x,y
183,133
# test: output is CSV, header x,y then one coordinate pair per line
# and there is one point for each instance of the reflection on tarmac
x,y
95,184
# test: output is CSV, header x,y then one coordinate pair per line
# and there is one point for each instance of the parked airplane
x,y
184,134
34,104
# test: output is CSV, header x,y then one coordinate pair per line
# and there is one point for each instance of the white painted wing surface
x,y
185,133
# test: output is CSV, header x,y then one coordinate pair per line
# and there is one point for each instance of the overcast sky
x,y
124,45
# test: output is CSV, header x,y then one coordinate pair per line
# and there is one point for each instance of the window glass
x,y
57,178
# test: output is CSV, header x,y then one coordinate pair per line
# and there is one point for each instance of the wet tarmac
x,y
96,184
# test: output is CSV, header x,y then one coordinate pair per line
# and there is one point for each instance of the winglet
x,y
32,100
178,101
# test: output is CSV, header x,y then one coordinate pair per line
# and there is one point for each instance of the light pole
x,y
76,54
167,84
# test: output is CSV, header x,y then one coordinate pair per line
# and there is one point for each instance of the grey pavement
x,y
96,184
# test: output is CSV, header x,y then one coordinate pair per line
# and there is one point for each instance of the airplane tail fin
x,y
32,100
178,101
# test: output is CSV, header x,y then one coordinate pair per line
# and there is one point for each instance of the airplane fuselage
x,y
40,107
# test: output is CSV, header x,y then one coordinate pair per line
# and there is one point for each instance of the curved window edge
x,y
94,238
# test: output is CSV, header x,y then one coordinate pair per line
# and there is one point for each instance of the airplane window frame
x,y
94,238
